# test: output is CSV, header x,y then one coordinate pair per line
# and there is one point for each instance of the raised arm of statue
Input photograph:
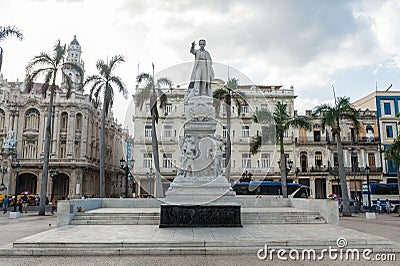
x,y
192,50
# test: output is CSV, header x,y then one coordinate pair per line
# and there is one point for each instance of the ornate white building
x,y
74,155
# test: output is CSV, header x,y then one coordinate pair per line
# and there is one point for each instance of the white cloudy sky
x,y
308,44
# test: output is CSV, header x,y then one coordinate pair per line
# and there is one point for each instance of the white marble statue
x,y
202,73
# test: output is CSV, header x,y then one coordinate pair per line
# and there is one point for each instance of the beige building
x,y
317,162
74,154
264,165
313,152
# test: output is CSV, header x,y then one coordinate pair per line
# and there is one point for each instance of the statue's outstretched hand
x,y
193,43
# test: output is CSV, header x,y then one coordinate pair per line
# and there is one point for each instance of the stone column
x,y
71,134
55,135
312,186
84,135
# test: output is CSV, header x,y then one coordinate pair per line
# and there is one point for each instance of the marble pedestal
x,y
200,195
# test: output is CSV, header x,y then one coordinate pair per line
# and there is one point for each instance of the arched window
x,y
2,119
318,159
64,122
29,150
32,117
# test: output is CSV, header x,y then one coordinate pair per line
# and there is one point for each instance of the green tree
x,y
105,82
49,66
149,91
227,95
392,152
263,117
283,121
331,116
5,32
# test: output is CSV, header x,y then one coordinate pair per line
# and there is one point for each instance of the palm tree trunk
x,y
398,181
228,143
154,144
47,137
102,150
342,173
1,58
283,167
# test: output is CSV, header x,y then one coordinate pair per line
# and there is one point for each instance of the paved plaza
x,y
30,228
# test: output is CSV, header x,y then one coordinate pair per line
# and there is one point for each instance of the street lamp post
x,y
126,167
3,170
53,174
17,169
150,175
289,165
367,171
354,172
369,214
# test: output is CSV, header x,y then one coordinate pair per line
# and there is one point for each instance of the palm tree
x,y
260,117
49,66
331,116
105,82
6,31
393,153
227,94
283,122
149,91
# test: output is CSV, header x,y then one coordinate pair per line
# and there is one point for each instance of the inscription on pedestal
x,y
200,215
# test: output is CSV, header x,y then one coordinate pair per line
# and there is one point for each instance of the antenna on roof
x,y
228,72
376,85
389,87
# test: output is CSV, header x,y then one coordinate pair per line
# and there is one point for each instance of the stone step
x,y
115,222
178,247
151,217
125,217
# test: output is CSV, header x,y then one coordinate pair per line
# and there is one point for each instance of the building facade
x,y
313,152
386,104
74,151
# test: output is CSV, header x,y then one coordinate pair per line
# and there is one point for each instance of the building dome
x,y
74,41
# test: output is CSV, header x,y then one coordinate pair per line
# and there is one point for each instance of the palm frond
x,y
255,144
40,60
143,77
121,86
7,31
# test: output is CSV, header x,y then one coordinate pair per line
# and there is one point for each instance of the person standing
x,y
24,200
388,206
5,204
379,206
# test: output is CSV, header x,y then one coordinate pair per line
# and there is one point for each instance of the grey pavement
x,y
30,224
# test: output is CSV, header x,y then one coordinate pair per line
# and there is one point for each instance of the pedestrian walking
x,y
53,205
5,204
355,206
37,200
388,206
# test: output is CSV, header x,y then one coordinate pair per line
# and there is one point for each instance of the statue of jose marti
x,y
202,73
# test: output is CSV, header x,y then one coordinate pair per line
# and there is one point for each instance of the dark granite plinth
x,y
200,216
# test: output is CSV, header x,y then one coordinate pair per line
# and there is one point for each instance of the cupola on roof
x,y
74,41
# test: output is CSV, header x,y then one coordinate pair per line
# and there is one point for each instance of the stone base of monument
x,y
200,216
204,202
